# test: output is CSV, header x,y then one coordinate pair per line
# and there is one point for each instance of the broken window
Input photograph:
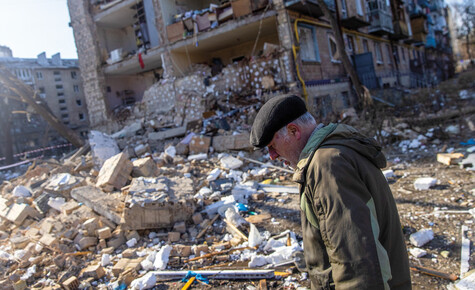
x,y
323,105
308,43
79,102
377,52
359,8
388,52
365,45
334,53
344,12
81,116
350,45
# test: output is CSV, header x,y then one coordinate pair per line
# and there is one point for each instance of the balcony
x,y
310,7
380,22
354,22
400,30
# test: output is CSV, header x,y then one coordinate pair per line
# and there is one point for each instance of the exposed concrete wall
x,y
89,62
186,98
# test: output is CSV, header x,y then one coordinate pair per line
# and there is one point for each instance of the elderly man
x,y
350,224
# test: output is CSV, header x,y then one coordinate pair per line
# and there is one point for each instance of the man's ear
x,y
294,130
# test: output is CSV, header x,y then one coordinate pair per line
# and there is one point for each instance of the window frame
x,y
314,42
331,38
378,53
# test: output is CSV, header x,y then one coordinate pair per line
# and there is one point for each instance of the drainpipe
x,y
294,51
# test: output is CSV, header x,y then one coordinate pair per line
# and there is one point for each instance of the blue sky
x,y
30,27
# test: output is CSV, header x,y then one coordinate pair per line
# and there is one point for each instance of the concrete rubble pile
x,y
125,216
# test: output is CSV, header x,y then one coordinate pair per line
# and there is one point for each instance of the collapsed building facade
x,y
179,59
57,83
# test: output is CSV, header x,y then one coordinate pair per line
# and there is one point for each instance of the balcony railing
x,y
400,30
380,22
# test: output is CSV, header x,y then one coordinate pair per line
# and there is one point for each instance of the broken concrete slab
x,y
115,172
63,183
174,132
158,202
128,131
41,202
104,204
19,212
103,147
231,142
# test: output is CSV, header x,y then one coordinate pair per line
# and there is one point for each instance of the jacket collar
x,y
315,140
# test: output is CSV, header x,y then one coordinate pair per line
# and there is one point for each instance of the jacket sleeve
x,y
348,223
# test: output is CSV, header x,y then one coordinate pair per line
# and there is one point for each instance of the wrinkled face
x,y
284,147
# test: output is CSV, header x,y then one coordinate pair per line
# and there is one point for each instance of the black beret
x,y
275,114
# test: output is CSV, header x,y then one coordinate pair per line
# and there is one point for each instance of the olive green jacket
x,y
351,229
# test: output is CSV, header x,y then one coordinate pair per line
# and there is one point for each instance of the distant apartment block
x,y
58,83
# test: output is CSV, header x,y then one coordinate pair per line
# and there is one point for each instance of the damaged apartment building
x,y
57,83
179,59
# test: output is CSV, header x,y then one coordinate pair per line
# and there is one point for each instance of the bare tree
x,y
466,24
13,88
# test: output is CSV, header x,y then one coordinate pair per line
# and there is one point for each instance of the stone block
x,y
141,149
72,283
19,242
125,264
182,250
20,285
129,253
131,235
49,240
91,225
102,244
200,248
181,149
116,241
173,236
200,144
144,167
19,212
104,233
115,172
86,242
197,218
231,142
69,207
94,271
109,250
179,227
